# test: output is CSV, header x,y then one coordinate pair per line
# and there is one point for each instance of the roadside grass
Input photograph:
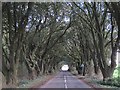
x,y
111,82
29,83
40,80
95,83
115,81
116,73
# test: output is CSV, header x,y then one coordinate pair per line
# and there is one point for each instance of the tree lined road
x,y
39,38
65,80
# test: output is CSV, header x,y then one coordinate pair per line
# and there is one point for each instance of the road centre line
x,y
65,82
66,85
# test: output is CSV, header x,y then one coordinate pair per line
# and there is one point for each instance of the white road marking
x,y
65,82
66,85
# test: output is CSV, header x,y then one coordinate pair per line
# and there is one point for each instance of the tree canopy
x,y
41,35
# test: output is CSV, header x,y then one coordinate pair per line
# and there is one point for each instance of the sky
x,y
65,67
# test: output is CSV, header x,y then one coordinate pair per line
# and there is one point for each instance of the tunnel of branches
x,y
37,37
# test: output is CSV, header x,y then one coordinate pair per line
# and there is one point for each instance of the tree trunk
x,y
107,73
37,69
95,61
78,67
84,70
12,74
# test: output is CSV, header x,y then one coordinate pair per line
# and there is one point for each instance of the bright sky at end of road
x,y
65,67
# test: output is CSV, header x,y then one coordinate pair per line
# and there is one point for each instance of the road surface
x,y
66,80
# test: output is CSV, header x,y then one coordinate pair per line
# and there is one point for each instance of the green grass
x,y
116,72
115,81
112,82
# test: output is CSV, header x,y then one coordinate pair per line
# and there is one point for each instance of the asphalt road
x,y
65,80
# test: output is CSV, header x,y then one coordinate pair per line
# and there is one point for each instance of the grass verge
x,y
36,83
